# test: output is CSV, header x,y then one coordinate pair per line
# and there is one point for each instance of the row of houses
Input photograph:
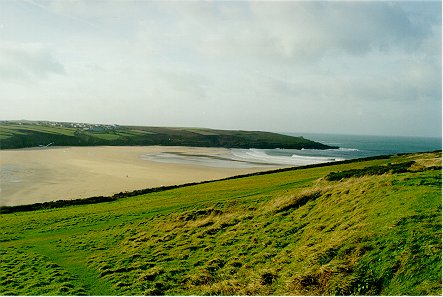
x,y
81,126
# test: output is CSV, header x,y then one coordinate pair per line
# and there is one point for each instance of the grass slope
x,y
293,232
31,134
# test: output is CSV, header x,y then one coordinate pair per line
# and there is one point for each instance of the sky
x,y
343,67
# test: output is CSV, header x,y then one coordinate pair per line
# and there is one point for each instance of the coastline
x,y
35,175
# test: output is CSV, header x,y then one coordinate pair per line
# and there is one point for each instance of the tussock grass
x,y
286,233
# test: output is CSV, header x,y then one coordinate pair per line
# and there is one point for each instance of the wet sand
x,y
47,174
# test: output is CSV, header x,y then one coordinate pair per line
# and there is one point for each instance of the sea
x,y
349,147
360,146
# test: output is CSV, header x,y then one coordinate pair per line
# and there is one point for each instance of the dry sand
x,y
46,174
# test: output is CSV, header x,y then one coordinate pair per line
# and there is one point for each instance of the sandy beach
x,y
47,174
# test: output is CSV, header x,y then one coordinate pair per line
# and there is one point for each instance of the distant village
x,y
81,126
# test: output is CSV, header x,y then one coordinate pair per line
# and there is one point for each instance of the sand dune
x,y
39,175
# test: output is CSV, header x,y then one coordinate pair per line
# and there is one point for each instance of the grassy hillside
x,y
15,134
366,228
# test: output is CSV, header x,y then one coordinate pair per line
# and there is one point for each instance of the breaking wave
x,y
345,149
260,156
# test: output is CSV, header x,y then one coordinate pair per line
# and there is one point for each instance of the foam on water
x,y
345,149
262,156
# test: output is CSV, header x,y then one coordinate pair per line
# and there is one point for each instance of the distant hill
x,y
363,227
21,134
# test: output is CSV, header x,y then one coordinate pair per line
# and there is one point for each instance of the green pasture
x,y
13,128
287,233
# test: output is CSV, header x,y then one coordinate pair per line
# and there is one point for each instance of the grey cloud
x,y
309,30
302,32
28,62
184,85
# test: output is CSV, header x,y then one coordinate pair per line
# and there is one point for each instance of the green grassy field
x,y
16,134
369,228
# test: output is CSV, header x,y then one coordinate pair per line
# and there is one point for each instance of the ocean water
x,y
350,147
358,146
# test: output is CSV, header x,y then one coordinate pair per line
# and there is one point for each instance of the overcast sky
x,y
327,67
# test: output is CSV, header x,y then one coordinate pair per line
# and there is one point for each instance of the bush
x,y
372,170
